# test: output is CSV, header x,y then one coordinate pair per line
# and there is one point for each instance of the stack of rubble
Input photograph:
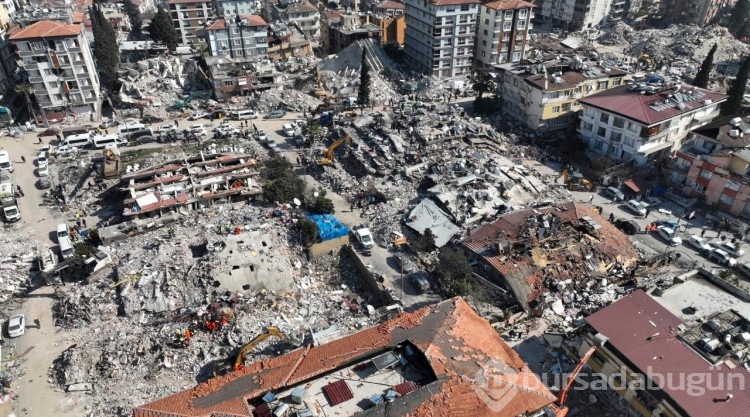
x,y
289,99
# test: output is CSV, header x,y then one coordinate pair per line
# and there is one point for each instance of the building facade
x,y
440,36
241,37
304,14
574,15
696,12
714,163
389,16
643,122
60,68
229,9
550,101
346,30
232,77
502,31
189,18
287,41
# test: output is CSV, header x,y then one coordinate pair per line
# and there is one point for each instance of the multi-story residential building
x,y
392,28
328,18
388,8
60,68
9,9
304,14
232,8
240,37
502,31
573,15
238,77
346,30
440,36
545,96
189,18
714,164
287,41
643,122
695,12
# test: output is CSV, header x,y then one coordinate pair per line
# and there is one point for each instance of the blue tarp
x,y
328,226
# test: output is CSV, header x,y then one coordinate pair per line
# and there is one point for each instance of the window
x,y
616,81
484,43
602,132
47,71
73,85
618,122
516,56
236,42
486,21
598,145
706,175
507,26
228,83
485,32
522,13
521,25
604,118
42,58
587,126
235,30
508,14
602,85
566,107
615,136
556,109
732,186
725,199
630,142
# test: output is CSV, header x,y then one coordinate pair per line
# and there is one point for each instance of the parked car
x,y
198,130
288,129
728,247
652,202
721,257
744,269
699,244
66,150
167,128
405,264
43,183
16,325
150,118
108,124
669,235
638,208
672,224
43,171
142,140
420,282
630,227
613,194
41,160
275,114
197,115
261,136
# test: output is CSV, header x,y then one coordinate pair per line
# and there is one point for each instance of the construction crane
x,y
561,410
327,158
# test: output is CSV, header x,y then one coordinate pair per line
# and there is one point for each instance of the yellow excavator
x,y
575,181
327,158
236,362
319,91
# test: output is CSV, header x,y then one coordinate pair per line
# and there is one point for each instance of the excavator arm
x,y
328,158
270,331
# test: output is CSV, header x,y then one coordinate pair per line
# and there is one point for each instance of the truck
x,y
11,213
364,237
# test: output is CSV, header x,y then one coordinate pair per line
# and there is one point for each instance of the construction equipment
x,y
644,59
111,168
327,158
575,181
561,409
200,95
319,91
239,360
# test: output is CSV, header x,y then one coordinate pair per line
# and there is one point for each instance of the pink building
x,y
714,163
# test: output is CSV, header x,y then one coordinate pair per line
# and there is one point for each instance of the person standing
x,y
591,199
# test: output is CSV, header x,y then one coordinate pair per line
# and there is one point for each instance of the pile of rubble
x,y
17,262
288,99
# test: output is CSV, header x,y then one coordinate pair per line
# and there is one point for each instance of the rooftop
x,y
649,339
187,1
442,374
553,75
509,5
452,2
555,244
302,7
251,20
653,102
721,130
46,29
389,4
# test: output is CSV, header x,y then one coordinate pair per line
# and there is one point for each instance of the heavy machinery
x,y
111,167
327,158
318,91
200,95
575,181
559,408
644,59
236,361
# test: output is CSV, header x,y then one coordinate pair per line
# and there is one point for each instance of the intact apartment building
x,y
304,14
241,37
440,36
714,163
189,18
503,29
574,15
229,9
643,122
546,96
60,68
695,12
389,16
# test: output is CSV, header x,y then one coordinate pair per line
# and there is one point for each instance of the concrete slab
x,y
252,261
699,293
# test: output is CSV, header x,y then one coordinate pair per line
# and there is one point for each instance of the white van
x,y
126,128
5,162
62,231
66,247
101,141
288,129
244,115
79,141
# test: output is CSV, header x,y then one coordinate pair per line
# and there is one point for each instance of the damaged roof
x,y
649,340
580,242
427,215
460,347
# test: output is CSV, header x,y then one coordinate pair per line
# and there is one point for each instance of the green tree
x,y
308,231
161,29
363,95
321,204
25,90
453,272
739,16
701,79
134,15
106,50
280,182
737,91
312,130
425,241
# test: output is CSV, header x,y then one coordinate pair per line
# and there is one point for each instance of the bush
x,y
425,242
322,205
453,272
308,231
282,184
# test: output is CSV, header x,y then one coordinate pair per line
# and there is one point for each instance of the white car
x,y
721,257
198,115
198,130
167,128
261,136
16,325
41,160
43,171
699,243
636,207
66,150
669,235
288,129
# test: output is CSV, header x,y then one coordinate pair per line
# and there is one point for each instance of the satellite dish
x,y
297,202
316,194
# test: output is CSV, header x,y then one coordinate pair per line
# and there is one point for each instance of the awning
x,y
637,184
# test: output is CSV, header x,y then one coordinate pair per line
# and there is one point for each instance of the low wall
x,y
376,287
726,286
322,248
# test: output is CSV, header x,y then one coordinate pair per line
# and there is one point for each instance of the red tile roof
x,y
630,321
455,341
389,4
451,2
46,29
509,5
518,268
636,106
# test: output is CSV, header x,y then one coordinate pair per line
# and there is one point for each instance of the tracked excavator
x,y
236,362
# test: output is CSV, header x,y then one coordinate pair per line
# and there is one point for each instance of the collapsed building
x,y
555,257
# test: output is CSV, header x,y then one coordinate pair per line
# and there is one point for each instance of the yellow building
x,y
545,96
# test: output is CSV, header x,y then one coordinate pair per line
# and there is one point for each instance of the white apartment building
x,y
644,122
573,15
244,37
230,9
9,8
60,67
439,37
304,14
502,31
189,18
